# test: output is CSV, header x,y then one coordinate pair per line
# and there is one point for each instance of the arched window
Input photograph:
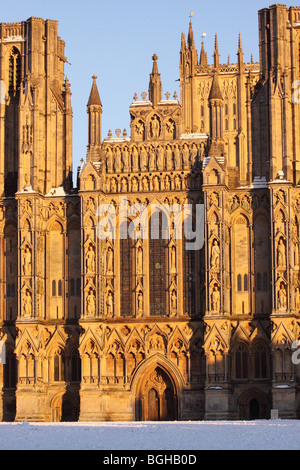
x,y
239,283
126,270
245,283
59,367
14,78
53,288
60,288
241,363
260,362
189,277
158,265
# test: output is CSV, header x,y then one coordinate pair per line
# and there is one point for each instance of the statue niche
x,y
281,254
215,255
155,127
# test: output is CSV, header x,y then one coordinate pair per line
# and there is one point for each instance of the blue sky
x,y
116,40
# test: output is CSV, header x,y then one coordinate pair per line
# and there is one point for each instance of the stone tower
x,y
106,311
35,188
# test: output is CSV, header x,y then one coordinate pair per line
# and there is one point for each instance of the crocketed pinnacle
x,y
190,41
215,91
155,86
94,99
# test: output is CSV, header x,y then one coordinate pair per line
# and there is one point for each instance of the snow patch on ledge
x,y
193,136
56,192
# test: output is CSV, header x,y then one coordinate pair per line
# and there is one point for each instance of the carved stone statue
x,y
140,301
109,260
135,158
27,304
143,160
91,303
125,159
282,297
27,261
160,159
177,182
174,300
215,255
90,260
117,161
281,254
109,304
177,158
215,299
155,128
155,183
151,160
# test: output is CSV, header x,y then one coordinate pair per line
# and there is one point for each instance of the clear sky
x,y
115,39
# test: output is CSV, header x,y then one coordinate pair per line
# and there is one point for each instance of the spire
x,y
155,87
240,42
190,41
94,110
216,53
203,55
240,53
94,99
183,46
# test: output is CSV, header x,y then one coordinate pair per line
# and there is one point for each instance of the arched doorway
x,y
254,409
253,405
158,397
65,408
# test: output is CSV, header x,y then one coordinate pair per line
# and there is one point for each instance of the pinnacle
x,y
94,99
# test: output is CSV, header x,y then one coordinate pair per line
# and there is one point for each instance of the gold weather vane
x,y
191,15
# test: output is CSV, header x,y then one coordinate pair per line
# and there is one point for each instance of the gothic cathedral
x,y
165,283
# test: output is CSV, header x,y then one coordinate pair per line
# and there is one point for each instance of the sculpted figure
x,y
90,260
215,255
155,128
281,255
91,303
282,298
215,299
109,260
27,261
109,304
27,305
140,301
174,300
177,158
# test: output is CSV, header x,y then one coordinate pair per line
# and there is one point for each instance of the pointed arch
x,y
126,271
158,265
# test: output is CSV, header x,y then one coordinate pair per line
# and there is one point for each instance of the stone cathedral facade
x,y
106,326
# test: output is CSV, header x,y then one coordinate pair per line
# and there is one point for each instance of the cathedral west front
x,y
165,283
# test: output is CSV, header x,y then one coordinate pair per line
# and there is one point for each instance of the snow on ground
x,y
217,435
